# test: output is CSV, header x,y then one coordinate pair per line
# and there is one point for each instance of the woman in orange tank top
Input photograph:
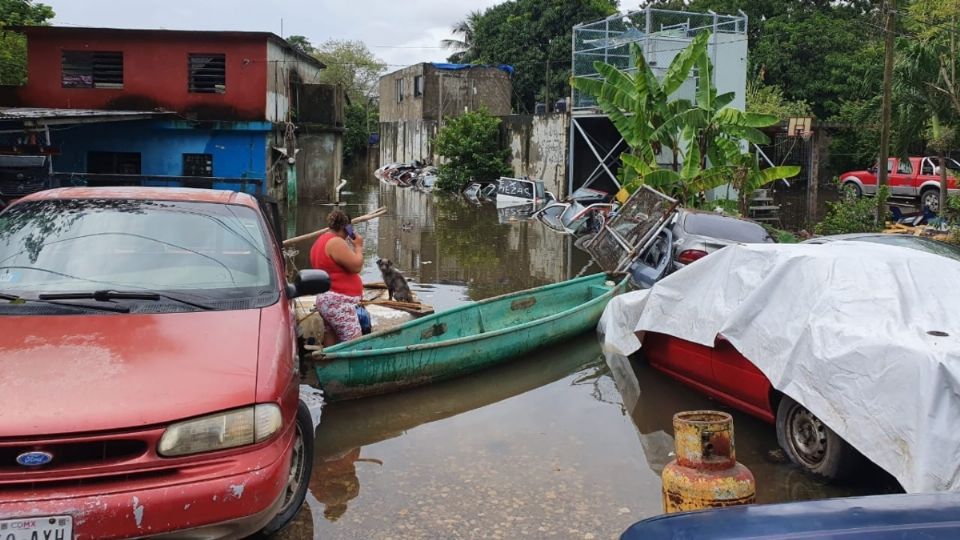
x,y
339,253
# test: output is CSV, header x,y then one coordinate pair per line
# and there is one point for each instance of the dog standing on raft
x,y
396,284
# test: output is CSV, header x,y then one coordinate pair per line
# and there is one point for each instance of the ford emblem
x,y
34,459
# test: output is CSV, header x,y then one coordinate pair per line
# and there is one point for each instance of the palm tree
x,y
463,48
923,111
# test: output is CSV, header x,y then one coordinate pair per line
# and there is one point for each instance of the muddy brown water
x,y
562,443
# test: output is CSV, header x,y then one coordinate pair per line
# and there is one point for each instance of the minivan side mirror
x,y
309,282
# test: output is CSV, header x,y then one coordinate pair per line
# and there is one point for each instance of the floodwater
x,y
562,443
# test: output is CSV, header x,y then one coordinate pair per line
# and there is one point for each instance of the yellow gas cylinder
x,y
705,473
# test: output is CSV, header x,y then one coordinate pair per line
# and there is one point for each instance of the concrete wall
x,y
319,163
405,141
238,148
469,90
411,107
538,147
446,93
285,71
155,71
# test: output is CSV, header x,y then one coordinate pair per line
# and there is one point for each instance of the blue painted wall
x,y
239,149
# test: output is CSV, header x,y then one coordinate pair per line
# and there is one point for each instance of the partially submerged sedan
x,y
839,345
150,375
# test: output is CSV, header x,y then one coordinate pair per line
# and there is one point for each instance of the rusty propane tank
x,y
705,473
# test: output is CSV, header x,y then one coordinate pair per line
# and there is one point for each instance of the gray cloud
x,y
398,32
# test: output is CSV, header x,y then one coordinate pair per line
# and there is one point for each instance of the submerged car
x,y
150,372
833,344
690,236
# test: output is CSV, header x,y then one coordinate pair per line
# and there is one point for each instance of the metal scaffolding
x,y
661,35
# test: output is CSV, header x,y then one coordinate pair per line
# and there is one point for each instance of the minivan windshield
x,y
211,250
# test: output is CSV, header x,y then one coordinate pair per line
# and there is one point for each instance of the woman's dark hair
x,y
337,220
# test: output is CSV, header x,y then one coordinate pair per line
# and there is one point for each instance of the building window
x,y
83,69
113,162
418,86
208,73
198,165
399,90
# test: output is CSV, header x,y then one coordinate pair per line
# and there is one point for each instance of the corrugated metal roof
x,y
48,116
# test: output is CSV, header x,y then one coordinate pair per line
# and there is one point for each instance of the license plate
x,y
37,528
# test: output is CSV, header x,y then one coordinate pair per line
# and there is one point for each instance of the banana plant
x,y
702,132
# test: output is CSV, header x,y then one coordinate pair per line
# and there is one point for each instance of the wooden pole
x,y
813,182
891,8
312,236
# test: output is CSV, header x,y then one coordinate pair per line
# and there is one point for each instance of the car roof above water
x,y
146,193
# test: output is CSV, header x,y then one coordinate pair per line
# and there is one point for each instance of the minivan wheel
x,y
812,445
301,467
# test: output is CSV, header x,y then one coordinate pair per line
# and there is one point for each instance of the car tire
x,y
301,467
930,197
812,445
852,188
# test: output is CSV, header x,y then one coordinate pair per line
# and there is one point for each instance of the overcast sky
x,y
398,32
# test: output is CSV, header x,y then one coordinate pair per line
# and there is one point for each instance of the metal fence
x,y
661,35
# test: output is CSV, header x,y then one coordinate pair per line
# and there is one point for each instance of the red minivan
x,y
150,379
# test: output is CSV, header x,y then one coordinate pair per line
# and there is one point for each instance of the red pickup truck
x,y
916,177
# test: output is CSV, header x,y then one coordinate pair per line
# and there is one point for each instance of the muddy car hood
x,y
72,374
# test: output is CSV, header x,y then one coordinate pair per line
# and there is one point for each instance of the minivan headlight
x,y
220,431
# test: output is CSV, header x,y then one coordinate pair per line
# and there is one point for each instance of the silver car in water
x,y
697,234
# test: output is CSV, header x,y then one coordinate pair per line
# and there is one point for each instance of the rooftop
x,y
50,31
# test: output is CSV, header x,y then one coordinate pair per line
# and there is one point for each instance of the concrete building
x,y
170,107
416,99
434,91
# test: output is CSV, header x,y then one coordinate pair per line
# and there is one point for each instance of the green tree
x,y
469,146
361,119
463,47
301,43
766,99
817,51
13,46
351,65
528,34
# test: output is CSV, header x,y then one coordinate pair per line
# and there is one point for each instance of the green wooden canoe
x,y
464,339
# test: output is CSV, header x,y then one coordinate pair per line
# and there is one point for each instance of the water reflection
x,y
348,426
443,239
651,399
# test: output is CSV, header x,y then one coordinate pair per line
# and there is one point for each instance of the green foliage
x,y
952,210
764,99
527,34
852,214
818,51
360,121
351,65
469,145
728,207
13,46
301,43
856,147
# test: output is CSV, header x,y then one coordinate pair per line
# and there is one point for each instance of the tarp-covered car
x,y
847,343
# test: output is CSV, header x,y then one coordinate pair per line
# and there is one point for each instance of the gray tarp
x,y
847,329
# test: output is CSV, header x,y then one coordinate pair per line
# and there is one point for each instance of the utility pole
x,y
546,92
890,10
